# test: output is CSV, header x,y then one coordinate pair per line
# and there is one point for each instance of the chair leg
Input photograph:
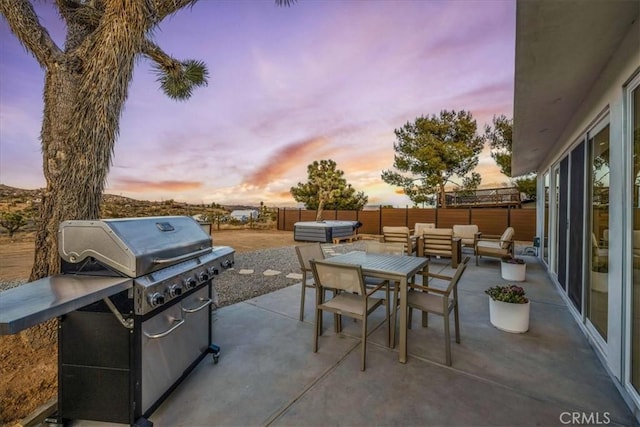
x,y
388,308
409,317
317,330
447,340
425,319
304,290
394,315
477,256
364,342
456,318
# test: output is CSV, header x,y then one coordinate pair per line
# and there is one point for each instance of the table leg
x,y
403,320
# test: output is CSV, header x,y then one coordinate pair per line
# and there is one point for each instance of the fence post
x,y
406,215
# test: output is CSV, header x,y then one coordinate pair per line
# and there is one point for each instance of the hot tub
x,y
324,231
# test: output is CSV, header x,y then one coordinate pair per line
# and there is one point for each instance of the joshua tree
x,y
327,189
86,85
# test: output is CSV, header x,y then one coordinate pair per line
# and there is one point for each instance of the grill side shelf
x,y
53,296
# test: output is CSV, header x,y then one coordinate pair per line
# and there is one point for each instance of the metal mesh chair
x,y
305,254
442,302
352,299
388,249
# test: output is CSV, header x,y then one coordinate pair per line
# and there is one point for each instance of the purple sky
x,y
318,80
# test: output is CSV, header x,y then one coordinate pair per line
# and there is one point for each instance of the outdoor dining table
x,y
396,268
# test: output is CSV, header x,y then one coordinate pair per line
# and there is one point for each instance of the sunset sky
x,y
321,79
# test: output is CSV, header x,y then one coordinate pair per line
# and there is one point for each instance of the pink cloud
x,y
141,186
288,157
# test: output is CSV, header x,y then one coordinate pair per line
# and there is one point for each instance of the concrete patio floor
x,y
268,374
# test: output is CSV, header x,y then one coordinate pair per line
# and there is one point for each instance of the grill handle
x,y
167,332
181,257
207,302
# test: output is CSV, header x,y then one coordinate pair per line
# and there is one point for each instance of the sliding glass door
x,y
598,277
633,102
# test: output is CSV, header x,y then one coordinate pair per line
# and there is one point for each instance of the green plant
x,y
512,260
510,293
12,222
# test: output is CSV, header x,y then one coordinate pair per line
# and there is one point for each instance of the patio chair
x,y
351,299
439,242
496,246
420,227
305,254
468,235
400,235
389,249
442,302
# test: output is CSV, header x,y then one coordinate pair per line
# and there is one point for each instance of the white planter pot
x,y
513,272
509,317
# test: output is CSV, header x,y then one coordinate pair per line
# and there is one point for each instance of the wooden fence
x,y
489,220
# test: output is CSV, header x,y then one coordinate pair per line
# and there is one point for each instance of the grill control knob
x,y
156,299
175,290
204,276
227,263
214,271
189,282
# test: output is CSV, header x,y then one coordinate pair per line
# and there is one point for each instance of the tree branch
x,y
88,14
153,52
24,24
167,7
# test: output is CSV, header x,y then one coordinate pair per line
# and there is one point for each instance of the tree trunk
x,y
84,97
443,199
319,210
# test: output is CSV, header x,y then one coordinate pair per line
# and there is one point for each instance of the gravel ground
x,y
233,287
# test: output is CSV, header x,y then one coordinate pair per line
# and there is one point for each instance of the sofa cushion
x,y
507,237
466,233
420,227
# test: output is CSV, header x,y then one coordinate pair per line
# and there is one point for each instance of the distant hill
x,y
113,206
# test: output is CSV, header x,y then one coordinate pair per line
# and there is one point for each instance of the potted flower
x,y
509,308
513,269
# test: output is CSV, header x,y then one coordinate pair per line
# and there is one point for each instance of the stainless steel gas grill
x,y
144,320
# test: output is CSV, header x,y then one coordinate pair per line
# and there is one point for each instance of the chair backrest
x,y
308,252
374,247
438,241
507,237
338,276
419,227
456,277
397,235
465,231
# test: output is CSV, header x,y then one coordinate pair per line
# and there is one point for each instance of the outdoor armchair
x,y
400,235
496,247
436,300
352,298
439,242
420,227
468,234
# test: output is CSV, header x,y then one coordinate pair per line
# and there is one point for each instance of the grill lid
x,y
133,246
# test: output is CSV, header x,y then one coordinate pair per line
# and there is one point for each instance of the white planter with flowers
x,y
513,269
509,309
